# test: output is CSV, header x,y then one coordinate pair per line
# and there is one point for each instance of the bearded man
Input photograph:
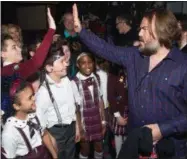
x,y
157,76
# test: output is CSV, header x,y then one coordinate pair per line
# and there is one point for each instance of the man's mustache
x,y
141,39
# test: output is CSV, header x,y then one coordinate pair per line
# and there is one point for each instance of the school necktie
x,y
89,81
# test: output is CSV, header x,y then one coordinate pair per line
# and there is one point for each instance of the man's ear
x,y
49,68
16,107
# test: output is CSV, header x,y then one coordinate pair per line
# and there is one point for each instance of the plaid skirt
x,y
117,129
92,124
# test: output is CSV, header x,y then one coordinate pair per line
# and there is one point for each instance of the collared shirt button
x,y
142,106
166,78
143,121
144,90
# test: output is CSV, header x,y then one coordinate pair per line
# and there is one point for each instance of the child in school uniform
x,y
35,80
118,101
13,68
22,136
56,107
91,108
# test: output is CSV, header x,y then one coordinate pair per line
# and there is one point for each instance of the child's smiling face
x,y
86,65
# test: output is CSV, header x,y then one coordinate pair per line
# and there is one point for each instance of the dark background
x,y
9,11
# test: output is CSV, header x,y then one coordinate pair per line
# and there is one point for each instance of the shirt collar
x,y
20,123
174,55
52,82
82,77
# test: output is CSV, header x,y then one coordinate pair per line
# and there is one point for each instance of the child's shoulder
x,y
14,122
42,90
10,126
66,81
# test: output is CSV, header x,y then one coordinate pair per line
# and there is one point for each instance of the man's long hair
x,y
166,26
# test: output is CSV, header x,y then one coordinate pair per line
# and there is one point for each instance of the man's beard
x,y
150,48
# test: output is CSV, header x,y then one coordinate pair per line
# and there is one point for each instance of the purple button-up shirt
x,y
158,96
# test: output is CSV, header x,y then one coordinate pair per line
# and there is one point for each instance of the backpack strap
x,y
25,139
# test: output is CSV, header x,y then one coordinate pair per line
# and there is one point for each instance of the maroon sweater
x,y
29,67
117,94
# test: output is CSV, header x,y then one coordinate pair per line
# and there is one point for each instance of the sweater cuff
x,y
51,30
117,114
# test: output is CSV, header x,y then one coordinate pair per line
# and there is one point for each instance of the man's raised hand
x,y
77,23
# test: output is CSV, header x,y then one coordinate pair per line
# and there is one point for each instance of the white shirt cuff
x,y
117,114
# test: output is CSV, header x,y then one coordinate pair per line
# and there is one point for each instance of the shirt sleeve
x,y
29,67
76,93
42,104
102,85
9,144
120,55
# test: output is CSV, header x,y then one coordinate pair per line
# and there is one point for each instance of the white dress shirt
x,y
104,81
12,141
64,98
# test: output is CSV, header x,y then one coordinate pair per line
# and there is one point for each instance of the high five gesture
x,y
50,19
77,23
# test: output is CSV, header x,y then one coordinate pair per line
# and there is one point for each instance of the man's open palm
x,y
77,24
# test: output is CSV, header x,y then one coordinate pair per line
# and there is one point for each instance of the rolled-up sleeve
x,y
76,93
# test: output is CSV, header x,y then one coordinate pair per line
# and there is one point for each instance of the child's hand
x,y
77,135
122,121
82,133
103,130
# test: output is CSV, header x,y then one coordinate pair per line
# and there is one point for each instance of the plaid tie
x,y
89,81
